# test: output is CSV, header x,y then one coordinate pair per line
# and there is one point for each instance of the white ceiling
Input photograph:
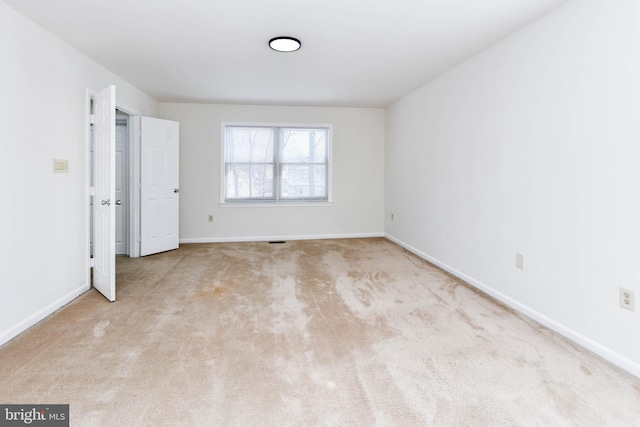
x,y
365,53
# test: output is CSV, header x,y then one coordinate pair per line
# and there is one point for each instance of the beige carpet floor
x,y
311,333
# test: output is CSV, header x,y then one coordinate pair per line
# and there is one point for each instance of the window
x,y
276,164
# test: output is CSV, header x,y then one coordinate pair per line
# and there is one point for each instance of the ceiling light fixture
x,y
284,44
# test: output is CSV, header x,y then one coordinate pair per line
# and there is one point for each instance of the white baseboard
x,y
16,330
606,353
274,238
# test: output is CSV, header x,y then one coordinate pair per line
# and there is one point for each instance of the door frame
x,y
89,95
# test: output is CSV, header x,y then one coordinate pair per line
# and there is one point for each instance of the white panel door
x,y
104,250
159,189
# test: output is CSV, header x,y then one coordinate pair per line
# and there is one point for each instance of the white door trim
x,y
89,94
134,185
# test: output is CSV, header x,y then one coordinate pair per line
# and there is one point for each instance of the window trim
x,y
277,201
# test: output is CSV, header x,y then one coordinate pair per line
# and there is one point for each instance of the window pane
x,y
249,145
304,145
303,181
245,181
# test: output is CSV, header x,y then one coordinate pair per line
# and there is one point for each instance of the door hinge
x,y
92,191
92,119
92,262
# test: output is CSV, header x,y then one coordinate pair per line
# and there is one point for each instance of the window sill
x,y
273,204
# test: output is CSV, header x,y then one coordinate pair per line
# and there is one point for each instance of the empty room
x,y
312,213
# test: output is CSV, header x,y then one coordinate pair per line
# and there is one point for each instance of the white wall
x,y
358,175
533,147
43,216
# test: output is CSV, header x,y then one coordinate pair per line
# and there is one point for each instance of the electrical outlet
x,y
627,299
210,218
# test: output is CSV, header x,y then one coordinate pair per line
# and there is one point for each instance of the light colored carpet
x,y
311,333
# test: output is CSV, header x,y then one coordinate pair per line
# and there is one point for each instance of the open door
x,y
104,249
159,189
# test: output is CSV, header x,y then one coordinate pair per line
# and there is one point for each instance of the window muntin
x,y
276,164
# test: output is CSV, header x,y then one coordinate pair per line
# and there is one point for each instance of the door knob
x,y
175,190
106,202
118,202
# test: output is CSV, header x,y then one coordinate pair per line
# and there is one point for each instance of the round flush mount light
x,y
284,44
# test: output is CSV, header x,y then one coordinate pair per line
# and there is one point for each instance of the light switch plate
x,y
60,165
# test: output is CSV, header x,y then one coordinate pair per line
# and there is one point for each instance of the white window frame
x,y
277,201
